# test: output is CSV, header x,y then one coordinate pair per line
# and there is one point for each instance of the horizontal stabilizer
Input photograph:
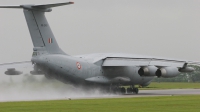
x,y
42,7
45,6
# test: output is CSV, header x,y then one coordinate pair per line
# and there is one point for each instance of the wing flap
x,y
167,63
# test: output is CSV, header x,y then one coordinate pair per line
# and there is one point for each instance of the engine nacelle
x,y
147,71
12,71
167,72
186,69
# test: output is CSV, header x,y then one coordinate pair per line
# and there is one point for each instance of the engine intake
x,y
12,71
147,71
167,72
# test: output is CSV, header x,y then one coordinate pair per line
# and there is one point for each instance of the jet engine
x,y
167,72
12,71
186,69
147,71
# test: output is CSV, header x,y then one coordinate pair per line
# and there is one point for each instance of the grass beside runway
x,y
137,104
171,85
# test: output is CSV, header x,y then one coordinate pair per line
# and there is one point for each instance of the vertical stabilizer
x,y
40,31
39,28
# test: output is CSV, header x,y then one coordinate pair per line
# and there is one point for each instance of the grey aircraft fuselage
x,y
65,68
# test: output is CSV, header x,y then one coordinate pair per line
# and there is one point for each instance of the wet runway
x,y
152,93
142,93
36,88
170,92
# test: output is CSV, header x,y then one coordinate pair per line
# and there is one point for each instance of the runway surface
x,y
142,93
152,93
34,88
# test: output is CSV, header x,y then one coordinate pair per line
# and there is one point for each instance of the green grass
x,y
142,104
171,85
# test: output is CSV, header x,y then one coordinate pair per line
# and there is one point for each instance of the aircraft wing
x,y
121,59
16,68
114,61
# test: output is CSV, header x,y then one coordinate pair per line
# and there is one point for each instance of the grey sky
x,y
169,28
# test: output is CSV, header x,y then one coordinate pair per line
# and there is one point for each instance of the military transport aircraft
x,y
110,70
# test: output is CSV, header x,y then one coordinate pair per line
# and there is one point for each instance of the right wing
x,y
114,61
16,68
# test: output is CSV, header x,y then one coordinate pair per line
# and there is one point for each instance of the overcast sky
x,y
169,28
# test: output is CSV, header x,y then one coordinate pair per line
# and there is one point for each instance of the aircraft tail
x,y
40,31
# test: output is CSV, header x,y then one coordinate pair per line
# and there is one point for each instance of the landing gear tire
x,y
129,90
136,90
123,90
115,90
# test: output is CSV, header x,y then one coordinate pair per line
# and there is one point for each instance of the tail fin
x,y
39,28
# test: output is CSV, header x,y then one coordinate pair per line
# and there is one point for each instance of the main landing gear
x,y
123,90
132,89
